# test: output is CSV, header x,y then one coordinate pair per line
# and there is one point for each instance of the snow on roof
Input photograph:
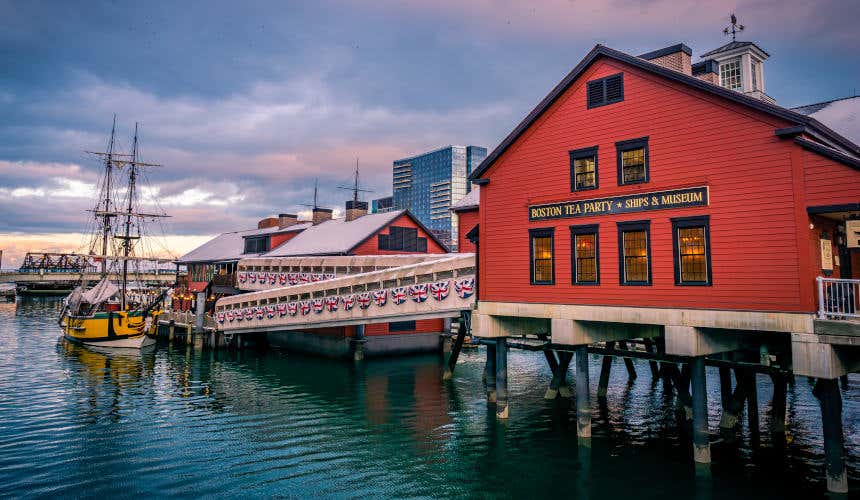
x,y
841,115
471,200
229,246
336,236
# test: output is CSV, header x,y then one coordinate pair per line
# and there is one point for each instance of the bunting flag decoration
x,y
293,308
260,311
316,277
261,278
331,303
318,305
252,278
229,315
440,289
249,313
418,293
240,315
305,307
282,309
398,295
380,297
243,276
304,278
364,300
272,278
348,302
292,278
282,279
465,287
270,312
328,276
221,317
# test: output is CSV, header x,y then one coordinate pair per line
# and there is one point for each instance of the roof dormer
x,y
741,68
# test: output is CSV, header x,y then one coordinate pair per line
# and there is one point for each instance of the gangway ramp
x,y
437,288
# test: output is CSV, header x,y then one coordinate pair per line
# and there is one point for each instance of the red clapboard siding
x,y
694,139
421,326
371,245
468,220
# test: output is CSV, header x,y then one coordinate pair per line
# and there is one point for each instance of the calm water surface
x,y
175,422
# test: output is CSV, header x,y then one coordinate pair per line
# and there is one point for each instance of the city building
x,y
650,198
429,183
381,205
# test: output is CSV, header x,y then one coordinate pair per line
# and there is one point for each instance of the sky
x,y
246,103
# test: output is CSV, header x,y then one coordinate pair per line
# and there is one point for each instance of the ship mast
x,y
127,237
106,217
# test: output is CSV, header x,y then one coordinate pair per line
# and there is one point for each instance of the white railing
x,y
838,298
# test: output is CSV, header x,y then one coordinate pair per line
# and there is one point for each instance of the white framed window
x,y
730,74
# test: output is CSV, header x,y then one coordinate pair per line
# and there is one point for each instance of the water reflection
x,y
177,421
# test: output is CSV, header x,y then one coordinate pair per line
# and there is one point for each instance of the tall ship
x,y
116,311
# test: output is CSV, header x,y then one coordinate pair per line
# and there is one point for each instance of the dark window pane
x,y
401,326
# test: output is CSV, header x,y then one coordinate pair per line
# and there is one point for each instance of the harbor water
x,y
175,421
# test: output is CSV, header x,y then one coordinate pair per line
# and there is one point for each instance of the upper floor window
x,y
632,161
730,75
585,255
606,90
259,244
634,249
583,169
692,248
404,239
542,256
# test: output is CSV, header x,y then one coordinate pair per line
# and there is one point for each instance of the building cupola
x,y
739,65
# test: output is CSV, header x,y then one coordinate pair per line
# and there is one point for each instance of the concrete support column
x,y
502,378
830,399
701,443
490,372
583,398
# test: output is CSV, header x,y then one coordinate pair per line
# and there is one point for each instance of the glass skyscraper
x,y
427,185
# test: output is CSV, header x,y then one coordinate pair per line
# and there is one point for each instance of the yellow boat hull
x,y
125,329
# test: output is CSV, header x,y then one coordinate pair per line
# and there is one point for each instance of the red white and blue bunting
x,y
419,293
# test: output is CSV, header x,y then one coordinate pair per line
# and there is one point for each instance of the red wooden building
x,y
641,198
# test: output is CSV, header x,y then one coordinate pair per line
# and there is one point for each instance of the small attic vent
x,y
606,90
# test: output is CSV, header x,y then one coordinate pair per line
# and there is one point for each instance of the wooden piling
x,y
631,369
725,386
752,407
490,371
605,368
777,417
458,346
830,399
552,361
701,442
171,327
583,401
502,378
655,370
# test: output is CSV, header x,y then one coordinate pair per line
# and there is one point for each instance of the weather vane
x,y
734,29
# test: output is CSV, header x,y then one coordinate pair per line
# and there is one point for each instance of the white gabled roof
x,y
841,115
229,246
471,200
336,236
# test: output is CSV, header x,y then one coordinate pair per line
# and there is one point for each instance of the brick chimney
x,y
287,220
267,222
707,70
320,215
355,209
676,57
